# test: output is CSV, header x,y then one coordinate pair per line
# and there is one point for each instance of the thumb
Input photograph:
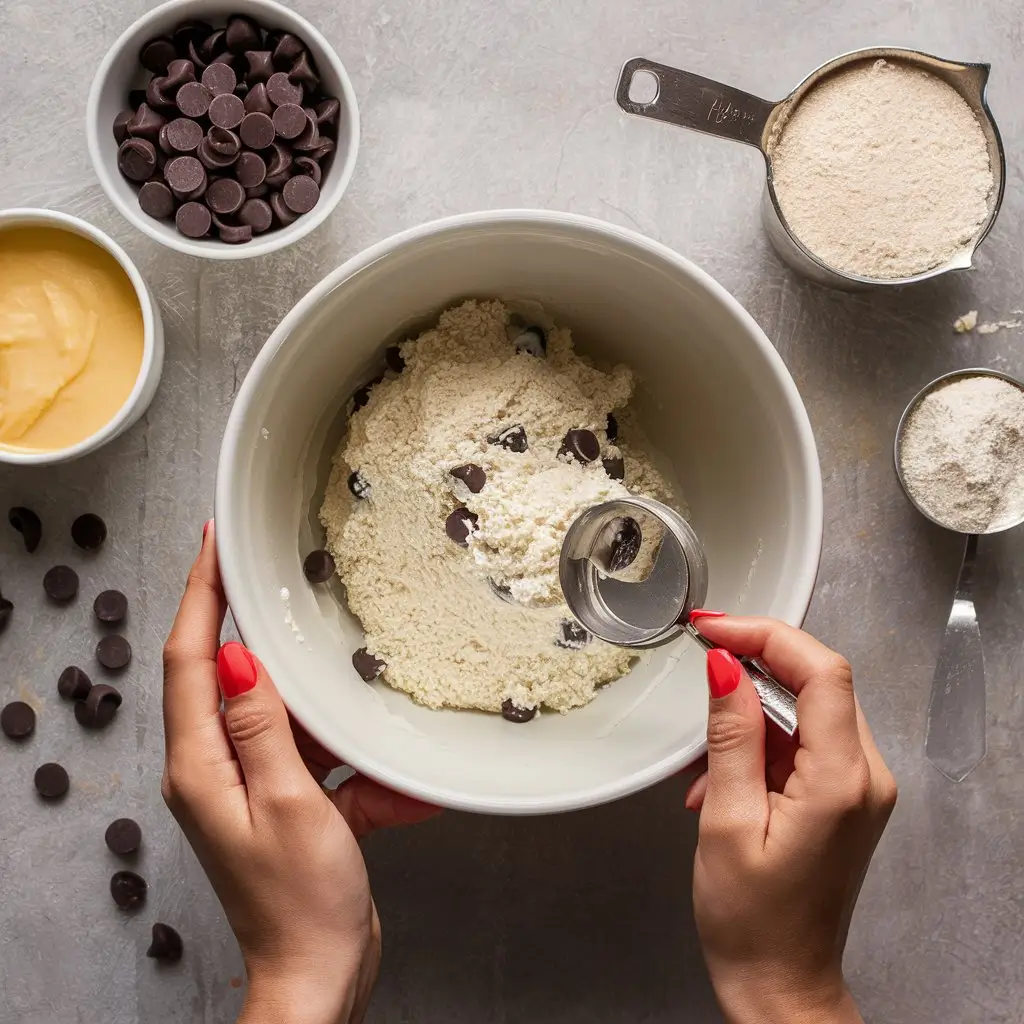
x,y
737,796
256,720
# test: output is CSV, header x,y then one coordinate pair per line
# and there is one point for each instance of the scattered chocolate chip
x,y
17,720
225,196
257,214
226,111
98,709
513,438
368,666
28,524
123,836
625,544
257,130
156,199
460,524
359,485
533,341
61,583
157,54
251,170
74,683
113,652
136,159
128,889
193,220
501,591
110,606
392,354
242,34
256,101
89,532
574,637
281,89
301,194
261,66
166,944
319,566
612,429
289,120
615,467
581,445
471,475
51,780
6,610
514,713
219,78
193,99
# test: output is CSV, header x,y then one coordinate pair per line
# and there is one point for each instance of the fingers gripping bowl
x,y
715,398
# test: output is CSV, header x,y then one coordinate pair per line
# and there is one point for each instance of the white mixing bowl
x,y
717,401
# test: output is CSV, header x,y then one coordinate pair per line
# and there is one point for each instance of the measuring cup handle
x,y
689,101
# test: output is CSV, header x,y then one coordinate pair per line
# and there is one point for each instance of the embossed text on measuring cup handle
x,y
690,101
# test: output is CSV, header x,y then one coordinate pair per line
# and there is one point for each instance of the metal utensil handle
x,y
690,101
955,740
778,703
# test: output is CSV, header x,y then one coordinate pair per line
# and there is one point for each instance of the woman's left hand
x,y
281,853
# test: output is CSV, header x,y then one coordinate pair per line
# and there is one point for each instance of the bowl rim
x,y
213,249
152,352
227,509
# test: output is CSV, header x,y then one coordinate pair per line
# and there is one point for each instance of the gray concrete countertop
x,y
472,105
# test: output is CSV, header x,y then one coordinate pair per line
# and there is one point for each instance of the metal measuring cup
x,y
955,740
650,607
690,101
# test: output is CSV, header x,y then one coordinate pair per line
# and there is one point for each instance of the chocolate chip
x,y
242,34
191,31
533,341
193,220
227,111
98,709
283,215
359,485
281,90
184,134
51,780
219,78
157,98
368,666
146,124
193,54
128,889
6,610
361,395
289,120
514,713
123,836
279,160
225,196
581,445
615,467
257,214
61,583
136,97
120,125
257,131
251,170
460,524
625,544
157,54
318,566
110,606
612,429
28,524
74,683
301,194
326,146
136,159
256,101
471,475
261,65
573,636
179,73
392,354
213,45
308,166
113,652
309,140
234,234
327,111
513,438
166,944
89,532
184,174
156,199
193,99
288,50
501,591
17,720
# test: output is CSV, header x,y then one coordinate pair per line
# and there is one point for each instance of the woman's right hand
x,y
787,827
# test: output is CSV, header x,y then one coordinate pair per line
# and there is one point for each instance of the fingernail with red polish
x,y
703,613
723,672
206,528
236,670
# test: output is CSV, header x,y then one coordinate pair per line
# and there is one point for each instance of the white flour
x,y
882,170
963,454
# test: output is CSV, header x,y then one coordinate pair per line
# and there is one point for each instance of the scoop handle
x,y
690,101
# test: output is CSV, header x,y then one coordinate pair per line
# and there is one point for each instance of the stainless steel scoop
x,y
955,738
632,570
690,101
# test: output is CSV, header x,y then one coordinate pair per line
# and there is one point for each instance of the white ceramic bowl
x,y
718,402
120,71
152,345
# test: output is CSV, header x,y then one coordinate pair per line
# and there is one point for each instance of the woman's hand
x,y
787,827
281,853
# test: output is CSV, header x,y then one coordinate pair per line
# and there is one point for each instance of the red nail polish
x,y
236,670
206,528
723,672
703,613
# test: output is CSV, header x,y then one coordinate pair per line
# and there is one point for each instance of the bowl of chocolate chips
x,y
222,130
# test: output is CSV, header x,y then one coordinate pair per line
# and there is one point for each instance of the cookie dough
x,y
448,500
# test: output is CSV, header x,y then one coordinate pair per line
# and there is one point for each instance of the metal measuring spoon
x,y
955,738
632,570
690,101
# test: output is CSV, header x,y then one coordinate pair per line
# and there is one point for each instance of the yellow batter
x,y
71,338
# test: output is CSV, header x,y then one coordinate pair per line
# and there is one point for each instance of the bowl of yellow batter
x,y
81,340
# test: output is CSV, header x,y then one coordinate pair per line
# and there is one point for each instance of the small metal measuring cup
x,y
648,607
690,101
955,739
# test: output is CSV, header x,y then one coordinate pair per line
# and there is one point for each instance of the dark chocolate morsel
x,y
98,709
327,111
573,636
325,148
28,524
61,583
156,199
227,110
309,140
242,34
223,142
136,159
625,543
308,166
74,683
361,395
17,720
128,889
367,665
359,485
287,50
123,836
185,174
289,120
533,341
279,160
51,780
120,125
257,130
193,99
257,214
136,97
281,89
157,54
278,182
612,429
191,31
581,445
156,97
392,354
113,652
225,196
615,467
234,234
259,192
283,215
179,72
261,66
318,566
219,78
166,944
110,606
193,54
513,438
301,194
193,220
514,713
303,73
213,45
184,134
146,124
89,532
471,475
459,525
256,101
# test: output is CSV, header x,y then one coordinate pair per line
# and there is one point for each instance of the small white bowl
x,y
120,71
717,402
152,339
